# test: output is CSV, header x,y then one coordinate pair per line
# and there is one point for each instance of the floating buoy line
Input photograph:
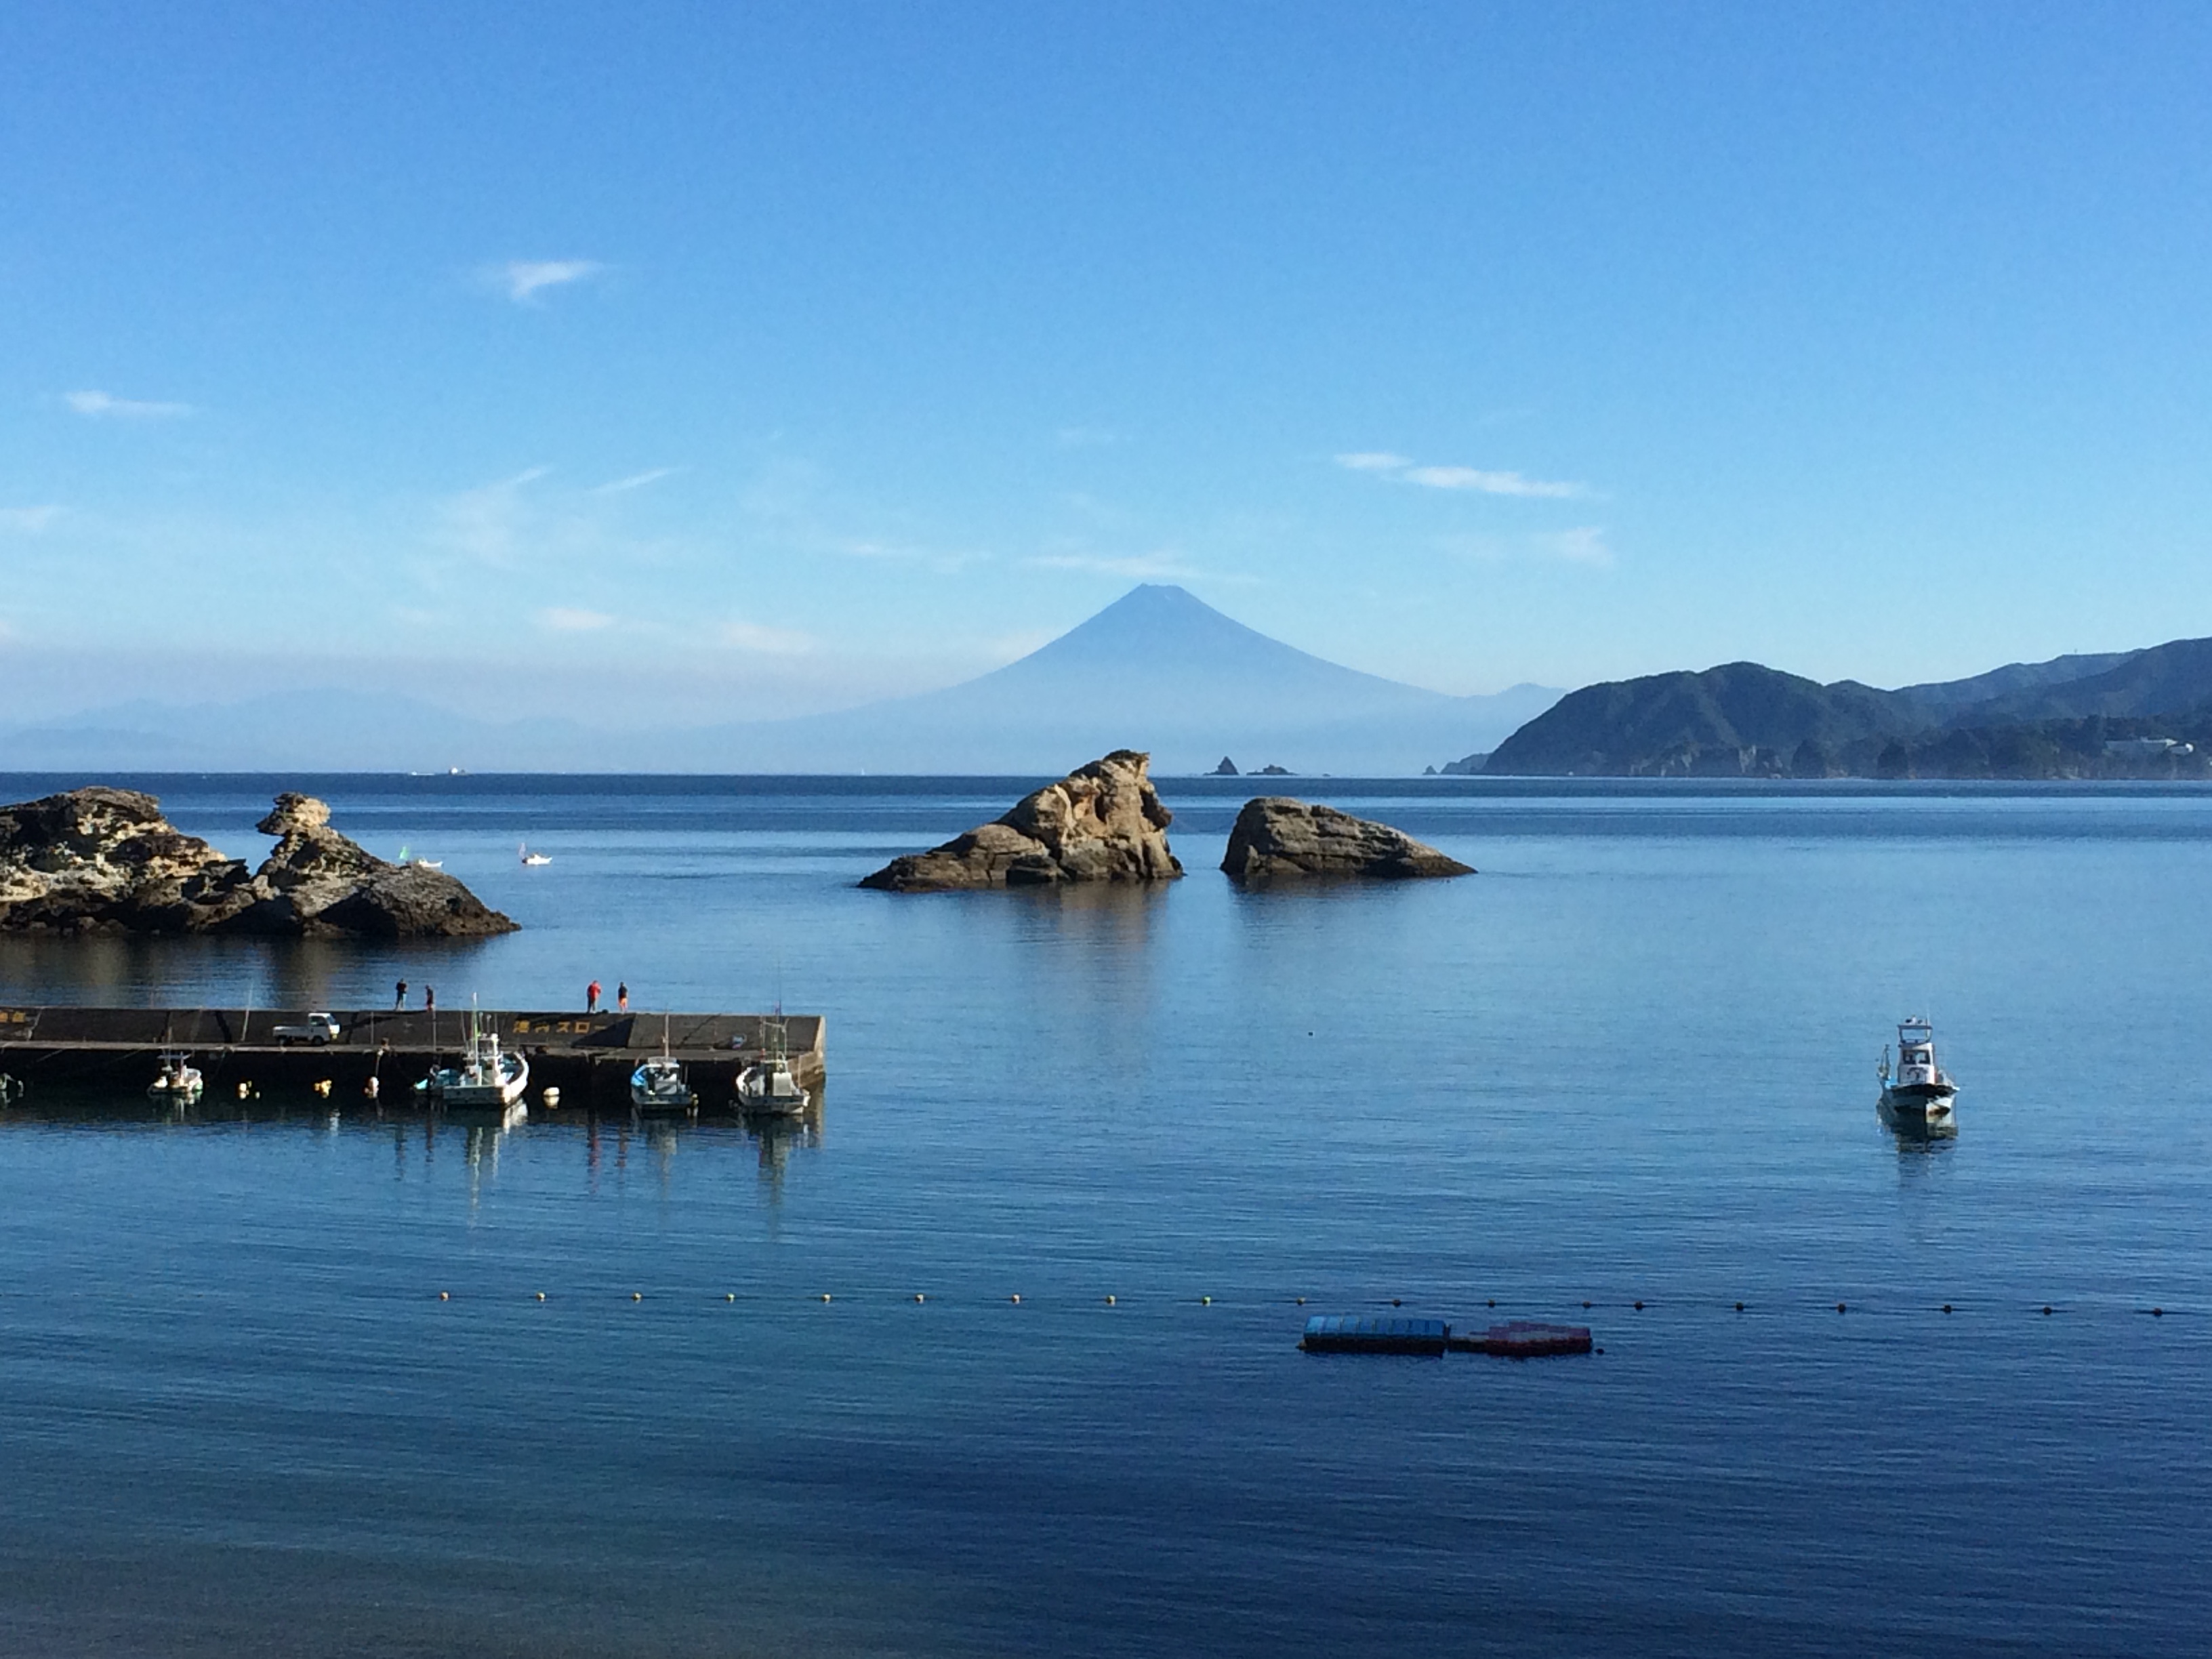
x,y
1634,1309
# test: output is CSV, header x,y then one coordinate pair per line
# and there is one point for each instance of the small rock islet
x,y
1277,836
1102,823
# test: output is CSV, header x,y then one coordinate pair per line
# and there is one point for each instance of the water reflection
x,y
127,972
604,1140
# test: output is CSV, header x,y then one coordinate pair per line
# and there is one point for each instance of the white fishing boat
x,y
766,1084
488,1078
658,1084
178,1080
522,851
1918,1097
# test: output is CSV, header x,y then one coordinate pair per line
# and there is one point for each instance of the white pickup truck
x,y
316,1028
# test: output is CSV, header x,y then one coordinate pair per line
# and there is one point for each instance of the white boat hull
x,y
487,1095
1917,1108
763,1088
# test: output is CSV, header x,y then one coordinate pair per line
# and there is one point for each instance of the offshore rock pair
x,y
1105,823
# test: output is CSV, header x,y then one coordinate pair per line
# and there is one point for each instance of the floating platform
x,y
1520,1339
587,1057
1361,1334
1526,1339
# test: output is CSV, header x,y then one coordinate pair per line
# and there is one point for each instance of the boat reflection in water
x,y
413,1120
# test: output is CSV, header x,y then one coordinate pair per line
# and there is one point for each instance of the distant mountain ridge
x,y
1158,670
1746,720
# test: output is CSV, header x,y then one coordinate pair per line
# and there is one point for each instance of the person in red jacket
x,y
591,998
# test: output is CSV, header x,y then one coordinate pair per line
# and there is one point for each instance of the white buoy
x,y
552,1096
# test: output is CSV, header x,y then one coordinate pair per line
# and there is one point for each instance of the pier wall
x,y
588,1057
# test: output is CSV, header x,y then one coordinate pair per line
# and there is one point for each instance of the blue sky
x,y
706,362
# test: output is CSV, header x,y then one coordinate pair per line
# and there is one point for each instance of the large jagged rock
x,y
1103,821
1276,836
106,860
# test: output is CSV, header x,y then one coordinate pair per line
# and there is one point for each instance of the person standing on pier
x,y
399,996
591,998
429,999
622,996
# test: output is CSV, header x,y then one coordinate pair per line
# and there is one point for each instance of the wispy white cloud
x,y
1483,480
104,405
568,619
525,279
1582,544
487,523
944,561
766,640
636,481
1487,483
27,520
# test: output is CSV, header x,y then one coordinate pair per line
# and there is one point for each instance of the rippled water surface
x,y
1632,1060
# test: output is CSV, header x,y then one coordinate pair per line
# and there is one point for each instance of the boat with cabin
x,y
659,1085
487,1077
178,1080
1919,1098
766,1085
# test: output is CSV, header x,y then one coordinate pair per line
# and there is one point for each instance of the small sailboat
x,y
766,1084
1919,1098
658,1084
408,863
178,1080
488,1078
522,851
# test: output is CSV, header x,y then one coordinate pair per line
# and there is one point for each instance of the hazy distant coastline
x,y
1161,671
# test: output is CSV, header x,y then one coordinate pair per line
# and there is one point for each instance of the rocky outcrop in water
x,y
1102,823
106,860
1276,836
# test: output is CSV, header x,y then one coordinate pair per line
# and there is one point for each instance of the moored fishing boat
x,y
178,1080
766,1084
1919,1098
488,1078
658,1084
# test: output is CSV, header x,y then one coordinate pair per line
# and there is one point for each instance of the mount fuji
x,y
1158,670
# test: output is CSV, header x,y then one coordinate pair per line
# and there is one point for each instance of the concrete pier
x,y
587,1057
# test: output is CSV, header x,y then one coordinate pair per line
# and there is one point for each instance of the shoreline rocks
x,y
1102,823
1277,836
103,860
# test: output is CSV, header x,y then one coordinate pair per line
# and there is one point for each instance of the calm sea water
x,y
1632,1060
